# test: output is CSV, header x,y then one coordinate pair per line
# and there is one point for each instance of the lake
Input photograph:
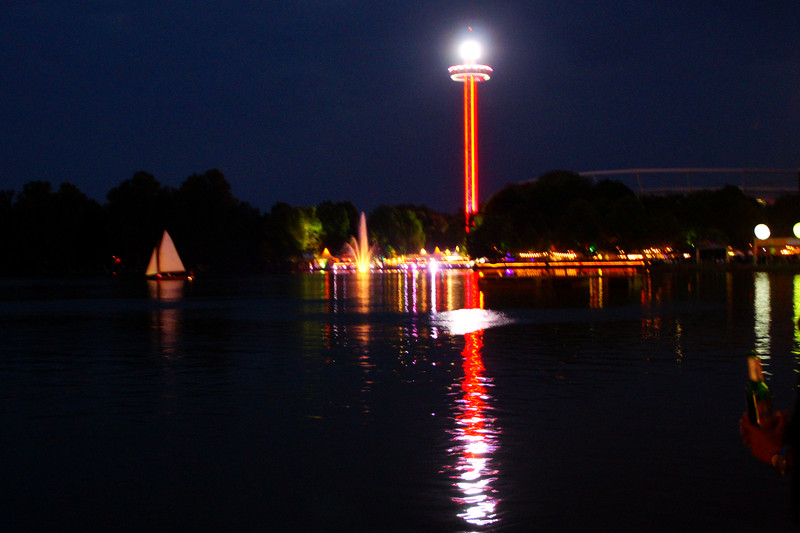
x,y
391,402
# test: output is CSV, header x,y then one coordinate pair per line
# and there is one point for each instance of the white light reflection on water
x,y
762,314
475,436
476,440
463,321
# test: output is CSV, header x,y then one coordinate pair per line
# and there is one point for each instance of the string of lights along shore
x,y
470,73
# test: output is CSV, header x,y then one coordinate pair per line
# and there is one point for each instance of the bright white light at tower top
x,y
470,50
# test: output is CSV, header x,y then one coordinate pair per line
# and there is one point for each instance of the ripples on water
x,y
403,402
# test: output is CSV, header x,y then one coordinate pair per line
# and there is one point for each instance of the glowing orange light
x,y
470,151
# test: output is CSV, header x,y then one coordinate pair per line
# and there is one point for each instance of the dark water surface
x,y
390,402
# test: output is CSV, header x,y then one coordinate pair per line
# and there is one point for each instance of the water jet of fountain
x,y
360,248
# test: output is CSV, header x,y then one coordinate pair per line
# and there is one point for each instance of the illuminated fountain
x,y
360,248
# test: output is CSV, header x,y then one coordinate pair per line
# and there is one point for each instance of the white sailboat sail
x,y
152,266
165,258
168,258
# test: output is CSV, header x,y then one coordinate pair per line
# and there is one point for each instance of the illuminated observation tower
x,y
470,73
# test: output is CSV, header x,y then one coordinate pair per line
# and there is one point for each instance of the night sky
x,y
302,102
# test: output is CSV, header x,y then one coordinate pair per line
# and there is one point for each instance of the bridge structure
x,y
755,182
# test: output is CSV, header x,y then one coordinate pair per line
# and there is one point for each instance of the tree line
x,y
56,231
565,211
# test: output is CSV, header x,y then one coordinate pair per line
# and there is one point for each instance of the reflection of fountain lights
x,y
349,292
362,300
433,292
405,293
414,294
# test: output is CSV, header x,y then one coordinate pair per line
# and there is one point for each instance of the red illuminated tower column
x,y
470,73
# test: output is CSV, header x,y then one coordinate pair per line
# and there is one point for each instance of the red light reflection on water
x,y
473,438
474,434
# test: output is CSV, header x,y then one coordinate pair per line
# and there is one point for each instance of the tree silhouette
x,y
293,232
55,232
396,230
47,231
339,222
135,211
216,230
6,230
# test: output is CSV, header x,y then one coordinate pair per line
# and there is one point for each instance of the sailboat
x,y
165,263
